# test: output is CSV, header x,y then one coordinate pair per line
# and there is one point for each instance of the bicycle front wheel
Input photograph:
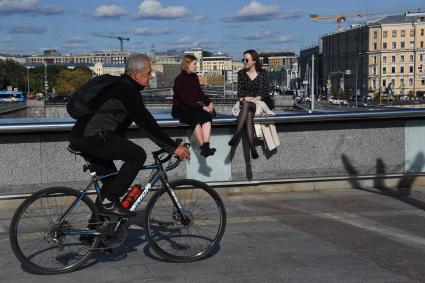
x,y
196,237
43,243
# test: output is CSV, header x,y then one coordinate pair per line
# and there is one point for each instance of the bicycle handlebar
x,y
156,156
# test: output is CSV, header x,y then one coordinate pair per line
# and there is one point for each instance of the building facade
x,y
384,57
107,57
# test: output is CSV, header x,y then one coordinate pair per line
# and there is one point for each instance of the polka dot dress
x,y
256,87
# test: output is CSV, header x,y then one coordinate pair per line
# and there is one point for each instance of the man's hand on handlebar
x,y
182,152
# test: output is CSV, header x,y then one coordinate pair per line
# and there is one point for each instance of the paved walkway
x,y
333,236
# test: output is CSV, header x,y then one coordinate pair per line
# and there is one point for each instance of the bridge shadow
x,y
403,190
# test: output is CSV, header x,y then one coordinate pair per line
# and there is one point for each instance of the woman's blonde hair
x,y
187,59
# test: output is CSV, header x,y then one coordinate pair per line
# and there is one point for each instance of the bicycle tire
x,y
155,226
14,232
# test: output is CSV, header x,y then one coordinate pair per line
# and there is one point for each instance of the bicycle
x,y
47,228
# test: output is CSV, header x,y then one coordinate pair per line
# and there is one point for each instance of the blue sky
x,y
232,26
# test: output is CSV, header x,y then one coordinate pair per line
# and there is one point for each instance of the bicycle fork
x,y
180,210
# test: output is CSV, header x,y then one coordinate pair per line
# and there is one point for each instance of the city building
x,y
165,73
100,68
305,67
106,57
385,57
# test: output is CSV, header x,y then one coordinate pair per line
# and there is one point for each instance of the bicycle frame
x,y
160,174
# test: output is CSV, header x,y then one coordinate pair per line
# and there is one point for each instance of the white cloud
x,y
152,31
77,40
187,42
109,11
284,39
7,40
255,11
9,7
152,9
23,29
199,19
259,35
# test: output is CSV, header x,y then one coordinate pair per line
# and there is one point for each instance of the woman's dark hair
x,y
255,58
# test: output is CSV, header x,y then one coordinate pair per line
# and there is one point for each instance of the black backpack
x,y
79,104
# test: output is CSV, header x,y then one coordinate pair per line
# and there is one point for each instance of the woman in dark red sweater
x,y
191,106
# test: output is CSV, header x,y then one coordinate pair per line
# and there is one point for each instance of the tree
x,y
70,80
12,74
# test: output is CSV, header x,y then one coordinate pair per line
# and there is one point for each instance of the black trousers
x,y
104,147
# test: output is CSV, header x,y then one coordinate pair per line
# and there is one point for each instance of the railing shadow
x,y
404,187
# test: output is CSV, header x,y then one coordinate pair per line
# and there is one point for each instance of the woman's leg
x,y
242,119
198,133
206,131
250,131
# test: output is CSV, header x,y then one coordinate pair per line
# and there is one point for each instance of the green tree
x,y
12,74
69,80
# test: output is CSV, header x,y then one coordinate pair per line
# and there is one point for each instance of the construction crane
x,y
120,38
340,18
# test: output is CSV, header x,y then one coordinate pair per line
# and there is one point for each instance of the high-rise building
x,y
384,56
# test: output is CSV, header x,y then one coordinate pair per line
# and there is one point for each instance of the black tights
x,y
246,118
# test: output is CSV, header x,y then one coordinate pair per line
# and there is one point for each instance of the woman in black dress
x,y
191,106
253,85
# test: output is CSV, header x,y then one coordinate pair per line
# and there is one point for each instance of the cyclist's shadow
x,y
134,240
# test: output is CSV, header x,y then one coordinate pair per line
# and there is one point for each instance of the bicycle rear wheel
x,y
41,243
176,240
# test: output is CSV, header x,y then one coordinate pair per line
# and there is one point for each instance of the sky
x,y
230,26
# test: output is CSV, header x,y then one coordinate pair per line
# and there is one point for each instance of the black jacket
x,y
119,106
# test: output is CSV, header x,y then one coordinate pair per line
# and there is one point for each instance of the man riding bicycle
x,y
100,135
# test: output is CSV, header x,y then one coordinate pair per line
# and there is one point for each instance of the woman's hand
x,y
207,109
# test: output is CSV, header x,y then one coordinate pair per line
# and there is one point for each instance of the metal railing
x,y
65,124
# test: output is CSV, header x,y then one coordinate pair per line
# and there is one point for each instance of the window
x,y
403,33
374,59
393,59
412,32
412,44
384,82
392,70
384,59
375,46
394,45
374,71
384,70
410,82
422,81
422,44
422,32
393,83
385,34
375,34
402,82
402,58
411,69
384,45
402,44
402,70
411,58
421,57
394,33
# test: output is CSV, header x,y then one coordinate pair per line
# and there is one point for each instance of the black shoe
x,y
254,153
115,209
206,150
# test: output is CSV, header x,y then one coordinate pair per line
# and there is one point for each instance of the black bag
x,y
268,100
79,104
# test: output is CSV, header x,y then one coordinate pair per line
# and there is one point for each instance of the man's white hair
x,y
136,63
